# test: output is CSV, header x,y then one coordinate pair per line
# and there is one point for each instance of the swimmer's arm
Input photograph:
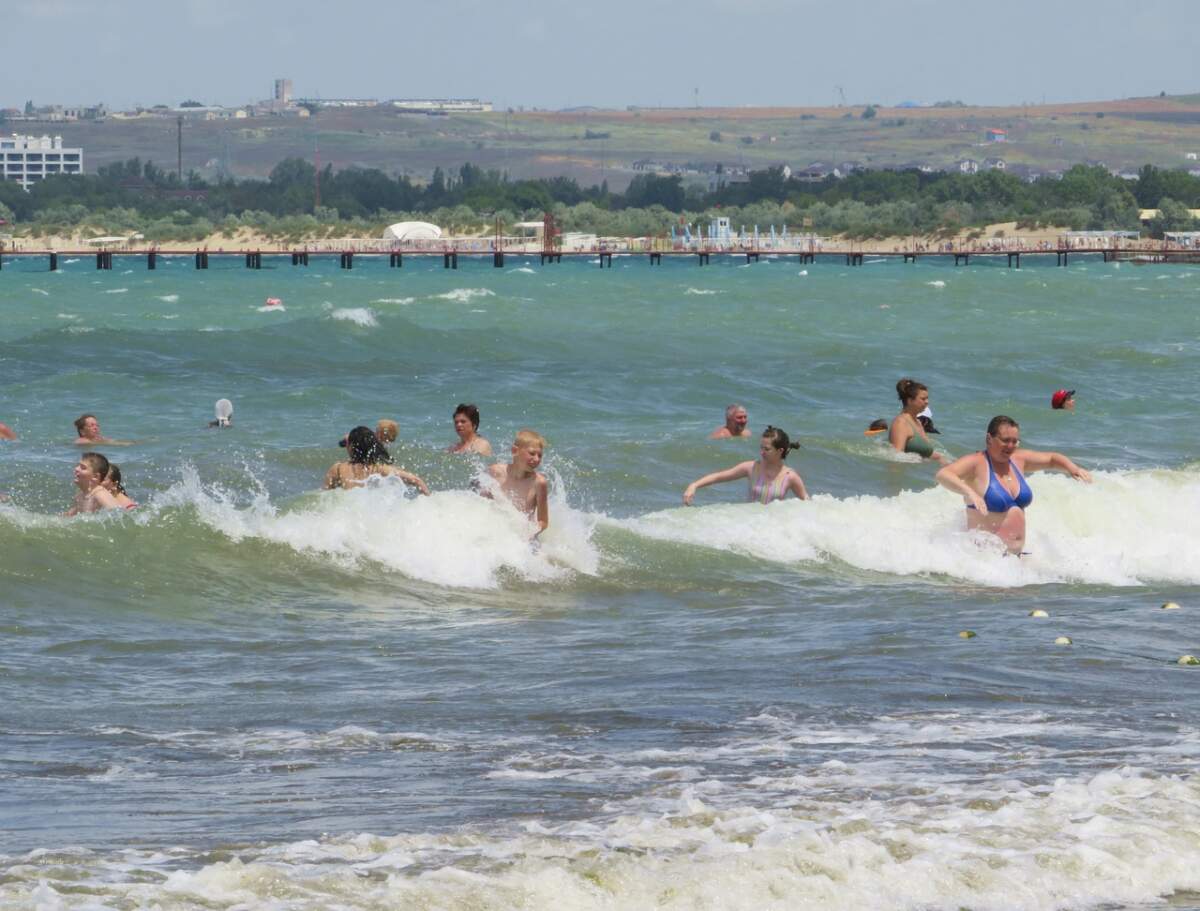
x,y
409,478
957,477
796,486
541,504
484,448
721,433
741,470
103,499
1031,460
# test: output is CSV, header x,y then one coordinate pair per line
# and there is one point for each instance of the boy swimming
x,y
519,479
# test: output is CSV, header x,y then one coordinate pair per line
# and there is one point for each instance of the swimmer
x,y
466,425
88,430
92,496
367,458
769,479
223,412
6,432
386,431
520,481
735,424
992,482
1063,400
878,426
907,434
112,483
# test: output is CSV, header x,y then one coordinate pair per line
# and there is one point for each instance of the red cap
x,y
1060,397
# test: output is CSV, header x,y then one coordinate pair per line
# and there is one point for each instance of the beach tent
x,y
412,230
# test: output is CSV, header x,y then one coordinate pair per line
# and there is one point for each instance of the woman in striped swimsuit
x,y
768,477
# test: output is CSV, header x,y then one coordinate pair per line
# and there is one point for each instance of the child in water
x,y
92,495
520,481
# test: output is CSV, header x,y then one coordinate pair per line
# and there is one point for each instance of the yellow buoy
x,y
1188,659
1170,605
1063,640
1038,612
967,634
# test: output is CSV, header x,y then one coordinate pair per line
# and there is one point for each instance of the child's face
x,y
527,457
85,476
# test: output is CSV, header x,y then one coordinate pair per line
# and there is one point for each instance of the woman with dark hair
x,y
992,482
908,434
112,481
769,479
466,425
367,458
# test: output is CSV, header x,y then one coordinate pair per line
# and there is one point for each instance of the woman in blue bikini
x,y
768,478
992,482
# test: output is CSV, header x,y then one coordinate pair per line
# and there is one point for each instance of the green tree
x,y
869,112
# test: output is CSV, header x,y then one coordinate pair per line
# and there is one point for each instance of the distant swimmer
x,y
736,420
112,482
992,482
768,478
1063,400
907,434
877,426
386,431
88,433
7,433
466,425
92,495
520,481
367,458
222,413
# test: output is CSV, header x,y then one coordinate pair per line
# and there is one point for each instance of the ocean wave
x,y
1119,838
394,300
703,292
361,316
117,291
1128,528
462,295
169,298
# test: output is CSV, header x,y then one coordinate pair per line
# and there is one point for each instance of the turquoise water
x,y
251,695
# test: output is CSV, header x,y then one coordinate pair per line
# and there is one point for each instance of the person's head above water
x,y
1063,399
879,425
92,469
913,395
470,412
736,418
223,412
779,441
87,426
112,478
363,447
386,431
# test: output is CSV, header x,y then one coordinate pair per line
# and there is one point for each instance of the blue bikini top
x,y
997,498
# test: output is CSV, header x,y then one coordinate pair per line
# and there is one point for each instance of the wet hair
x,y
387,430
364,448
97,463
470,411
80,421
908,388
1000,420
878,424
114,474
779,440
527,438
730,409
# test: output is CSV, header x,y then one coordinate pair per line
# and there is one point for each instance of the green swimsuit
x,y
919,444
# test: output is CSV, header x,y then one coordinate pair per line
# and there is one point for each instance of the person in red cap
x,y
1063,399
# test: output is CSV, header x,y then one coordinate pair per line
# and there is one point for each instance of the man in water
x,y
736,420
466,425
88,430
520,481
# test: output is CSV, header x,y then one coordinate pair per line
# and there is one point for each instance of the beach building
x,y
997,135
283,91
969,166
28,159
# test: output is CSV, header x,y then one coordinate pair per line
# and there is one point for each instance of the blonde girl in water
x,y
768,478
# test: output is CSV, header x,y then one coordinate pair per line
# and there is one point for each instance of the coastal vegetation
x,y
136,196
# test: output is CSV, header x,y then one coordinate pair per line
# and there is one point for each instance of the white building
x,y
28,159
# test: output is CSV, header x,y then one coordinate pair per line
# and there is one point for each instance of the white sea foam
x,y
936,284
525,269
361,316
453,538
117,291
70,261
462,295
40,291
1115,839
394,300
1128,528
66,316
169,298
701,291
802,272
273,308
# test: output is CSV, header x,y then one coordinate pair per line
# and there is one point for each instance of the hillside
x,y
595,145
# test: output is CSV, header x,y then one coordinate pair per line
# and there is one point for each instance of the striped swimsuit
x,y
764,491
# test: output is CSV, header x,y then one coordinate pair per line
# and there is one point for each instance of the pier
x,y
854,258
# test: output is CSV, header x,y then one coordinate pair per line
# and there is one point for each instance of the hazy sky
x,y
612,53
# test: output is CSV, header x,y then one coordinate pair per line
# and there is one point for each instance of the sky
x,y
607,54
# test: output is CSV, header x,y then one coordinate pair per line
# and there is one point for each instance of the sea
x,y
251,695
